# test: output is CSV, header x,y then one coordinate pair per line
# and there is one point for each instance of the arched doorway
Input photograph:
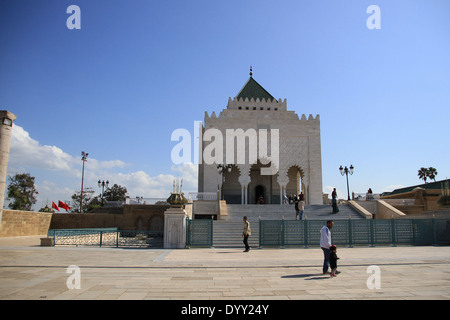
x,y
156,223
231,187
139,224
259,193
260,185
295,185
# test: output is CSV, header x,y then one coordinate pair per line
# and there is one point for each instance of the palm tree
x,y
423,174
432,173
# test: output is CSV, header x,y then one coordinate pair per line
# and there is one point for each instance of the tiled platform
x,y
28,271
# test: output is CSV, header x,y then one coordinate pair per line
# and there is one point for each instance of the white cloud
x,y
139,183
105,165
50,191
189,173
27,152
58,174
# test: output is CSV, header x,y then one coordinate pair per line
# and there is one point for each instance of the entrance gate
x,y
199,233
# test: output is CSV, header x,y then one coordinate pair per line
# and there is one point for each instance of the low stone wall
x,y
130,217
205,207
386,211
17,223
424,199
361,209
85,220
378,209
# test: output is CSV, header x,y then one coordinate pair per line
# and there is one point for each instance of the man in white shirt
x,y
325,244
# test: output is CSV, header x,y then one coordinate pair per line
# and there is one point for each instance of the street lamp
x,y
84,156
102,184
221,168
346,171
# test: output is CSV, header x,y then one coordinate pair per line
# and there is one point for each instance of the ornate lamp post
x,y
222,168
102,184
84,156
346,171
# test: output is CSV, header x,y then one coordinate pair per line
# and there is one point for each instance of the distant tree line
x,y
90,201
21,193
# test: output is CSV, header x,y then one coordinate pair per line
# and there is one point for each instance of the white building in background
x,y
293,150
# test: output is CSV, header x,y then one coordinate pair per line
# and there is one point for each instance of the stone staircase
x,y
287,212
227,232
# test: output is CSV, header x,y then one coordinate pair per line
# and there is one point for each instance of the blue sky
x,y
137,70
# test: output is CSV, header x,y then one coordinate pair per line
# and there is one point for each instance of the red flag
x,y
63,205
54,206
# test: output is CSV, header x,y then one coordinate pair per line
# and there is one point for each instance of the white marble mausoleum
x,y
260,120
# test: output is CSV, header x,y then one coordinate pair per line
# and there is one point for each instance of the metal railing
x,y
141,200
199,233
107,237
202,196
365,196
275,233
283,233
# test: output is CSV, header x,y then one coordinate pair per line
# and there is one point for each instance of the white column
x,y
6,123
281,195
175,228
282,191
244,180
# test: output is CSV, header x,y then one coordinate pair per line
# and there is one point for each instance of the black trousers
x,y
247,247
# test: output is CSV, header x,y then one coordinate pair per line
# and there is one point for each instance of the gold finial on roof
x,y
251,71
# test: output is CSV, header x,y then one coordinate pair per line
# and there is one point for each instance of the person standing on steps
x,y
246,232
301,204
334,201
297,209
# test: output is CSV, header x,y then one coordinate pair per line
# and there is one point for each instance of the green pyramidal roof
x,y
253,89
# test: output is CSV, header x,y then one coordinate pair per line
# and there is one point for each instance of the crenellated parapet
x,y
257,104
259,111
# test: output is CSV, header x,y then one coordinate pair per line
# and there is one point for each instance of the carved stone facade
x,y
260,116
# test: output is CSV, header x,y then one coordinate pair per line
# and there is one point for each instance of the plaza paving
x,y
28,271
